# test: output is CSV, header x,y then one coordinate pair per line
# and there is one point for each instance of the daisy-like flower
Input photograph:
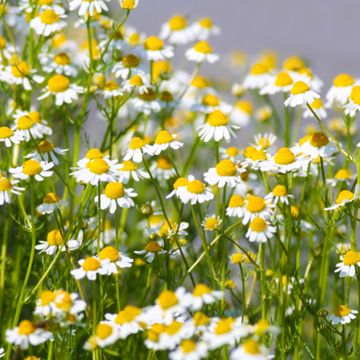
x,y
343,315
200,52
62,89
127,320
344,197
189,350
33,168
342,176
137,149
349,261
318,107
256,206
236,206
164,140
258,77
105,335
9,137
225,331
7,188
282,82
353,106
264,141
255,158
317,144
340,91
242,112
301,94
27,334
195,192
250,350
217,127
111,260
231,153
129,4
129,65
211,223
59,63
91,7
47,151
111,89
138,83
209,103
178,186
151,249
49,21
260,230
204,28
90,268
29,124
155,49
116,195
176,31
128,169
163,168
147,102
202,295
279,194
226,173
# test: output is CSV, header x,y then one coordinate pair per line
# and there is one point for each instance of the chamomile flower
x,y
128,169
163,141
129,4
195,192
33,168
189,350
211,223
255,158
231,152
58,63
163,168
318,107
250,350
47,151
282,82
8,187
204,28
115,196
111,89
209,103
49,21
226,173
301,94
127,67
217,126
317,144
202,52
343,315
111,260
264,141
105,335
138,83
62,89
344,197
340,91
85,6
147,102
90,268
353,106
279,194
9,137
256,206
26,334
202,295
236,206
155,49
349,261
242,112
260,230
258,77
342,176
176,31
178,186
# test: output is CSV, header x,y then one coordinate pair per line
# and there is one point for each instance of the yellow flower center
x,y
180,182
128,166
91,264
226,168
206,23
200,82
294,212
251,347
98,166
46,297
319,139
203,47
130,61
317,104
114,190
163,137
232,151
343,80
49,16
128,4
5,132
164,163
153,43
245,106
2,43
152,246
224,326
5,184
280,190
20,70
150,95
342,310
344,196
58,83
127,315
210,100
211,223
201,289
26,327
51,198
173,328
284,156
54,238
355,94
28,121
136,80
32,167
187,346
136,143
167,299
283,79
196,187
343,174
109,253
217,118
103,331
299,88
293,63
154,332
63,300
258,69
200,319
45,2
236,201
94,153
351,257
177,23
237,258
255,204
258,225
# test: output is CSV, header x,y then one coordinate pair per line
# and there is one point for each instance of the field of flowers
x,y
149,211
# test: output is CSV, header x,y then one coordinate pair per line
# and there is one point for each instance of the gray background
x,y
327,32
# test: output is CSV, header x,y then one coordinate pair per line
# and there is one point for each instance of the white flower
x,y
204,28
258,77
127,67
51,202
256,206
353,106
344,197
46,151
137,149
105,334
343,315
111,260
49,21
189,350
260,230
164,140
176,31
155,49
301,94
7,188
202,295
226,173
195,192
33,168
86,6
340,90
111,90
349,261
282,82
250,350
9,137
279,193
162,169
89,268
138,83
200,52
236,206
128,169
318,107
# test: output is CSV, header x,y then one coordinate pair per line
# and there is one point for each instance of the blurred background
x,y
325,32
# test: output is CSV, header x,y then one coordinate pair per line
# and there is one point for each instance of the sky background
x,y
324,31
